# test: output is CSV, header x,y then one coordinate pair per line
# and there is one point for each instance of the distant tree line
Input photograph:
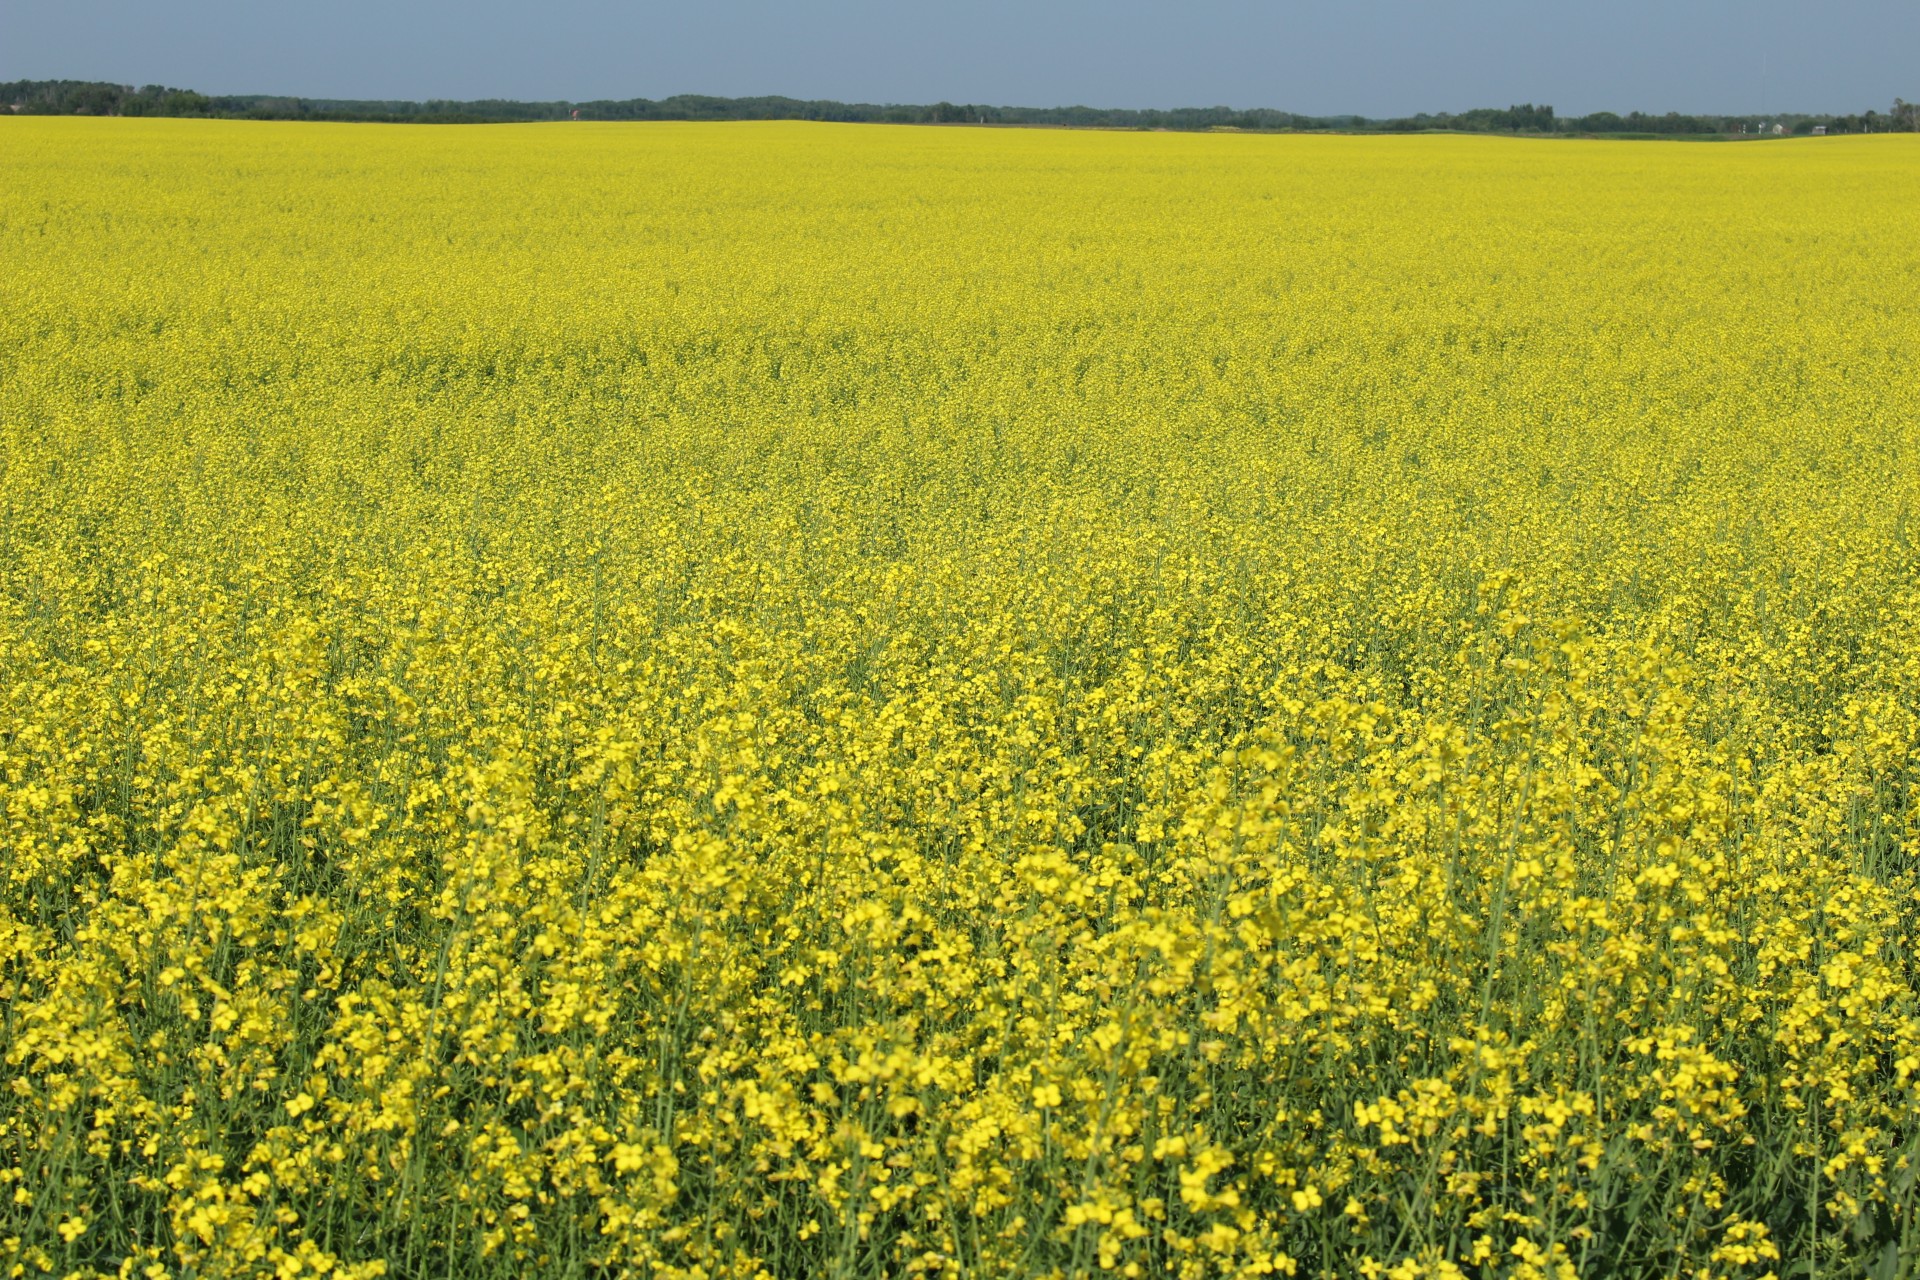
x,y
85,97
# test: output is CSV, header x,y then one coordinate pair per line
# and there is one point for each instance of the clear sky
x,y
1370,57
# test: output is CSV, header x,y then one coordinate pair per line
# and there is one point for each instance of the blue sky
x,y
1372,57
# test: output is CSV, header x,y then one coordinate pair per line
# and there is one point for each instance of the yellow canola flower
x,y
795,700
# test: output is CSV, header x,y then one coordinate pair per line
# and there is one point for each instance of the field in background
x,y
819,701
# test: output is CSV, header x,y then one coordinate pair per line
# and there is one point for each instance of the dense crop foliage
x,y
796,700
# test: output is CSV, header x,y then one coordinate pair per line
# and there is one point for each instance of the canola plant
x,y
816,701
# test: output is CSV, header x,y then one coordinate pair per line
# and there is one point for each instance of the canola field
x,y
816,701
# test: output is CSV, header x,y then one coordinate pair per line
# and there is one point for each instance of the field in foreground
x,y
712,701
